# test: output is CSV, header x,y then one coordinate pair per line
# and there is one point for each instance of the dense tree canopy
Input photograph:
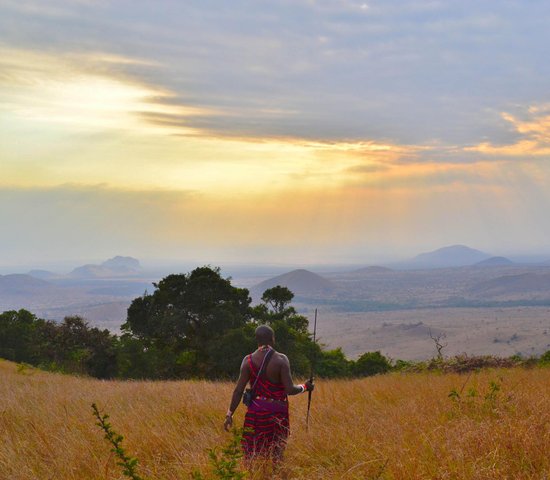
x,y
181,324
188,309
70,346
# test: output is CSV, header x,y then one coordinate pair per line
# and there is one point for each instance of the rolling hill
x,y
495,262
22,285
511,286
300,282
453,256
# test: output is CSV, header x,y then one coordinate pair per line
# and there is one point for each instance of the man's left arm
x,y
244,376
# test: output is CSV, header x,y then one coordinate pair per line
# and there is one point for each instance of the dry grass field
x,y
398,426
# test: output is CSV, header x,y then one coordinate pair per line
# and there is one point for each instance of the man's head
x,y
265,335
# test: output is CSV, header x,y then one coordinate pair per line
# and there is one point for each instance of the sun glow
x,y
82,92
141,138
134,148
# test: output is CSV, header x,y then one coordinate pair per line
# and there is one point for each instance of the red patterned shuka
x,y
266,421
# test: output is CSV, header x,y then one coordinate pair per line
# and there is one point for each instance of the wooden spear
x,y
312,370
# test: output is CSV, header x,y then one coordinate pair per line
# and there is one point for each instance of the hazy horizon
x,y
305,132
173,265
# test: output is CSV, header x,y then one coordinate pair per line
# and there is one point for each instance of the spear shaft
x,y
312,369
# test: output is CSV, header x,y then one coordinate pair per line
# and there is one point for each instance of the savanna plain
x,y
491,424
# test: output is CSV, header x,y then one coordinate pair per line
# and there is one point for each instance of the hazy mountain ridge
x,y
118,266
114,267
104,296
451,256
101,293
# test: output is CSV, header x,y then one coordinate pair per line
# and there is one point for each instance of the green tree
x,y
75,347
139,359
227,351
183,317
276,307
71,346
278,298
18,336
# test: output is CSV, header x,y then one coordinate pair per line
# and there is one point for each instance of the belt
x,y
272,400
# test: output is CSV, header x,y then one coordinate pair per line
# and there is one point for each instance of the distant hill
x,y
122,263
21,284
533,284
91,271
114,267
453,256
495,262
300,282
42,274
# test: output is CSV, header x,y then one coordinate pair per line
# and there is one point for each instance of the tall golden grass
x,y
398,426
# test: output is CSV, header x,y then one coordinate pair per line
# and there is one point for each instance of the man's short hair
x,y
264,335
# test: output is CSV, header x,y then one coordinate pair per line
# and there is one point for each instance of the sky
x,y
279,132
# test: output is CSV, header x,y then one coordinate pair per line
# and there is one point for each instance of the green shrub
x,y
545,358
371,363
333,364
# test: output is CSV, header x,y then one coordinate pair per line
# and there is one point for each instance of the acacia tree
x,y
184,317
276,307
278,298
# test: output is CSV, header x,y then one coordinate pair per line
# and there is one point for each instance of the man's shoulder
x,y
280,356
244,363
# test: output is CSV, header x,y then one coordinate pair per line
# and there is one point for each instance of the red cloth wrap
x,y
266,422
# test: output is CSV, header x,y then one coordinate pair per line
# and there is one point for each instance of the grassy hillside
x,y
399,426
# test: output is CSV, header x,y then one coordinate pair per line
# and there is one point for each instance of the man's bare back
x,y
277,371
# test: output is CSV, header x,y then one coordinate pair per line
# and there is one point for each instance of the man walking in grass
x,y
266,421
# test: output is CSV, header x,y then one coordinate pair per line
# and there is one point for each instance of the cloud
x,y
406,71
84,91
533,131
371,168
51,9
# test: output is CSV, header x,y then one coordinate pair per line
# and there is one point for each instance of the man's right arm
x,y
286,379
237,393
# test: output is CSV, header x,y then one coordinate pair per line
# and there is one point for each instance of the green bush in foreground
x,y
224,462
